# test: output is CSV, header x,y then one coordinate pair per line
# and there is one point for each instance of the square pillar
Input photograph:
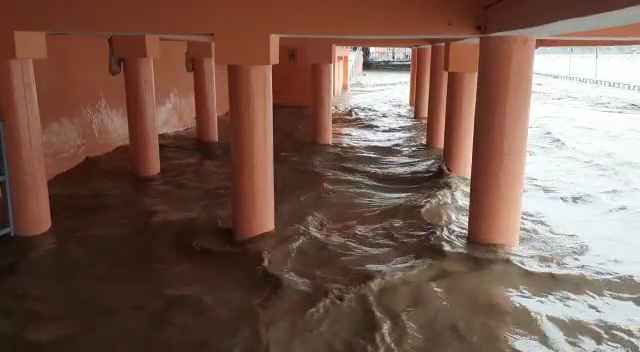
x,y
138,53
23,132
202,56
251,107
505,75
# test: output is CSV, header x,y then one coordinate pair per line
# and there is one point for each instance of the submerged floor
x,y
369,254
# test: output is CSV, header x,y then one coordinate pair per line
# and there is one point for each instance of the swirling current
x,y
369,252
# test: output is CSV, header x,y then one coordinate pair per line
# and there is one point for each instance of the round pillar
x,y
345,74
505,75
423,73
25,157
321,103
141,116
339,75
437,99
251,109
461,104
204,88
412,82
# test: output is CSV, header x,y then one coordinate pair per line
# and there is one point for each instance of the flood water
x,y
369,253
609,67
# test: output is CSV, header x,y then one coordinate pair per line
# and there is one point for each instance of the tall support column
x,y
500,139
23,133
322,103
412,82
144,149
138,53
461,63
321,56
345,74
335,80
204,90
339,75
437,99
461,104
423,74
251,108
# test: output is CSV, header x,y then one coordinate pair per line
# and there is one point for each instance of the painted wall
x,y
292,76
82,107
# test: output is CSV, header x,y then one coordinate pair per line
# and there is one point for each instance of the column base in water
x,y
138,52
321,77
437,99
412,82
204,90
500,139
251,107
423,74
144,149
25,156
461,104
204,87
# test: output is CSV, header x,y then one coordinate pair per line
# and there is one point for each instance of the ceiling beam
x,y
371,18
576,42
621,32
543,18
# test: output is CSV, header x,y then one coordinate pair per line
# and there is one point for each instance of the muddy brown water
x,y
369,253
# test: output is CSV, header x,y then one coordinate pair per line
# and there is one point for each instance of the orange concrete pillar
x,y
500,139
461,63
321,103
437,99
412,82
423,73
251,107
339,75
204,90
321,56
138,53
345,74
19,106
251,110
336,74
461,104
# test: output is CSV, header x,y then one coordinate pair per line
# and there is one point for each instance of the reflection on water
x,y
369,252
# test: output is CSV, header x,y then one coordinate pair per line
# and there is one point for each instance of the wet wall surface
x,y
82,106
369,251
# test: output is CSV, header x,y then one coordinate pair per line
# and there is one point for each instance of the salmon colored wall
x,y
82,107
292,77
